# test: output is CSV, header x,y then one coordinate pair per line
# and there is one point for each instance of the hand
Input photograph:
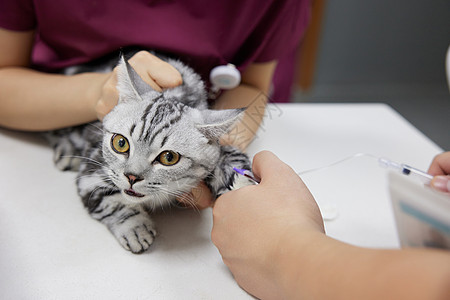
x,y
199,198
251,223
154,71
440,169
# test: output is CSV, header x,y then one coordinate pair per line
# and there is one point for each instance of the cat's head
x,y
155,147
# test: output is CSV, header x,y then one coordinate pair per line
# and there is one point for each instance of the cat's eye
x,y
168,158
120,144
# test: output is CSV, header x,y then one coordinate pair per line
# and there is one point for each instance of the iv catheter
x,y
383,162
248,174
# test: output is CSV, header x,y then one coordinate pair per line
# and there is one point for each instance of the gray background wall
x,y
390,51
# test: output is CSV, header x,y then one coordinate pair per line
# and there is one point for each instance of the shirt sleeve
x,y
17,15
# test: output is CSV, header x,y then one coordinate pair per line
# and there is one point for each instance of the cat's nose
x,y
132,178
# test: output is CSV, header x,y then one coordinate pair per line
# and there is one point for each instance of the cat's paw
x,y
135,236
241,181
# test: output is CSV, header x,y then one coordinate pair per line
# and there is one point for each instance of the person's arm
x,y
271,237
31,100
440,169
319,267
252,94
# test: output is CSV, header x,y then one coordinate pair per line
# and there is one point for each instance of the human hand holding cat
x,y
200,197
154,71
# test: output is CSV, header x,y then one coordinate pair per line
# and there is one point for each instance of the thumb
x,y
263,161
268,166
441,183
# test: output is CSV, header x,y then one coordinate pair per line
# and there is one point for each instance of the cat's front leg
x,y
224,178
130,224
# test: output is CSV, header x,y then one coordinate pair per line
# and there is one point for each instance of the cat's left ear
x,y
215,123
130,85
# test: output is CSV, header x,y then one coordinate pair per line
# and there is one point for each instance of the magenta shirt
x,y
203,34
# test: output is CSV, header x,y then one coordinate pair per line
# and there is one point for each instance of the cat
x,y
151,148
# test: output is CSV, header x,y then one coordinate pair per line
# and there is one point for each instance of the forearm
x,y
252,94
30,100
242,134
319,267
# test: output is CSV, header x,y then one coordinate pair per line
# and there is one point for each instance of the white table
x,y
50,248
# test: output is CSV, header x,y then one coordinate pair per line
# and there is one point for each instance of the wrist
x,y
295,260
93,92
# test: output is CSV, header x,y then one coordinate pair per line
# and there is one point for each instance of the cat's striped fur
x,y
120,189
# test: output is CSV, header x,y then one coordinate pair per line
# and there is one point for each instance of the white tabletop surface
x,y
50,248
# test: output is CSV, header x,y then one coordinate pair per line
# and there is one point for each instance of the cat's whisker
x,y
186,198
93,161
96,127
97,184
93,173
107,190
89,200
100,179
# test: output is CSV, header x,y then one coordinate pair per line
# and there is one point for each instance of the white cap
x,y
225,77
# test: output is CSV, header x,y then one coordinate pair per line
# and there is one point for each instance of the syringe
x,y
406,170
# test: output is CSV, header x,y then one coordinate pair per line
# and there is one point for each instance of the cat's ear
x,y
130,85
215,123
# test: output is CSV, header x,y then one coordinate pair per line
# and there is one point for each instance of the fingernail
x,y
441,183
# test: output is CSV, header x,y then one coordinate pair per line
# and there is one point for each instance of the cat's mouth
x,y
131,192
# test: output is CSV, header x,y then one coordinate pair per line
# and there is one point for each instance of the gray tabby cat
x,y
151,148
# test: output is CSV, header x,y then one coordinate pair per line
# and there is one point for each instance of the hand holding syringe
x,y
440,169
